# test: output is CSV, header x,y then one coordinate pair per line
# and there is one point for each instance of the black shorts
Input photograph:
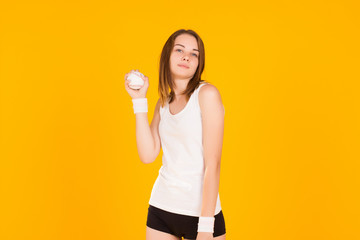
x,y
180,225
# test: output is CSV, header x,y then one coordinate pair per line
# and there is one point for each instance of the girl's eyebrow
x,y
184,47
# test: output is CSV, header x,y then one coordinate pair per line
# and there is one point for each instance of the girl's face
x,y
186,53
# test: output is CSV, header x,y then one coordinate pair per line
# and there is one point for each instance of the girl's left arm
x,y
212,113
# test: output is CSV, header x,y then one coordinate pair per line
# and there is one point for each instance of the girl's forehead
x,y
185,39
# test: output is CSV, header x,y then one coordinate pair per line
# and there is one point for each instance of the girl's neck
x,y
180,86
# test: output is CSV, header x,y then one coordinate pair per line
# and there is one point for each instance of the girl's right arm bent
x,y
147,137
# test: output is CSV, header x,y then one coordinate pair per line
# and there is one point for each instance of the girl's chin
x,y
181,77
181,74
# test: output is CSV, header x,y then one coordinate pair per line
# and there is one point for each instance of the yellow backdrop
x,y
288,74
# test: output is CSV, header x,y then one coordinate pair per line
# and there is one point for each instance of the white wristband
x,y
140,105
206,224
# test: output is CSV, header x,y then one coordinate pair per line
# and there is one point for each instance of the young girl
x,y
188,124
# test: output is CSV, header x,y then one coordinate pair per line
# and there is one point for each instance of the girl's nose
x,y
185,57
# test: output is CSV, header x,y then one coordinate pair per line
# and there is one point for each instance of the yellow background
x,y
288,74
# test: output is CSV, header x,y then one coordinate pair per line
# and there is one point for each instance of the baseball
x,y
135,79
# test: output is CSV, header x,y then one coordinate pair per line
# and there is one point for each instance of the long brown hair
x,y
165,80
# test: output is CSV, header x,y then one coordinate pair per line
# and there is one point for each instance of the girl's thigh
x,y
152,234
222,237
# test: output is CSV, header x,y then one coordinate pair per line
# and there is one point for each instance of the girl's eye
x,y
181,50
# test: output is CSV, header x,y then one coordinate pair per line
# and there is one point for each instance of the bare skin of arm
x,y
147,137
212,111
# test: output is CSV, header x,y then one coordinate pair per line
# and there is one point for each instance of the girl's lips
x,y
182,66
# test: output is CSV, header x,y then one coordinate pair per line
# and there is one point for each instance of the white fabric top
x,y
179,185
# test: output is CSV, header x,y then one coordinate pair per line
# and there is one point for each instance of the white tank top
x,y
179,185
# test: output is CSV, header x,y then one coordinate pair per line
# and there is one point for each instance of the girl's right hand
x,y
137,93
